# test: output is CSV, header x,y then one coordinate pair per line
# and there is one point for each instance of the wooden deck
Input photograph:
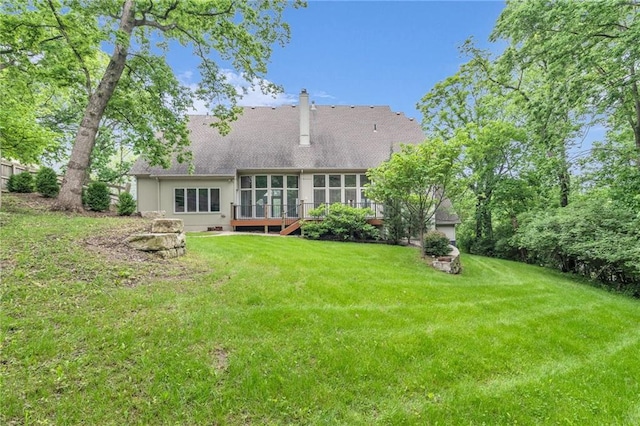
x,y
288,222
288,226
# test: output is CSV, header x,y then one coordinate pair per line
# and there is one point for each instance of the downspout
x,y
301,200
158,194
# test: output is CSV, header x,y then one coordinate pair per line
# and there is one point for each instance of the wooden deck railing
x,y
291,213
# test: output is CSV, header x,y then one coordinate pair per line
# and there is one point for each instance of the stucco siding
x,y
146,189
148,193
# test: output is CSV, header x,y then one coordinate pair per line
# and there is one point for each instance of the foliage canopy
x,y
131,94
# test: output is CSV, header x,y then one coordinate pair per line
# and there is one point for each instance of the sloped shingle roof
x,y
342,137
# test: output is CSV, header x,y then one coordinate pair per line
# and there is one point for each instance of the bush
x,y
436,243
98,197
21,182
340,222
593,237
126,204
47,182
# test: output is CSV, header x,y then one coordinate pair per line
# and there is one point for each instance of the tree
x,y
484,119
419,177
22,138
59,43
552,108
593,46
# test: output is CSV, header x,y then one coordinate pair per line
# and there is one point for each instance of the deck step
x,y
289,229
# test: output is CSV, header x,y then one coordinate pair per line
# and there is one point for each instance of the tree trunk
x,y
565,187
70,197
636,125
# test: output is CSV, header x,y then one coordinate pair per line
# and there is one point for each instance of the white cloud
x,y
322,94
253,96
199,108
185,76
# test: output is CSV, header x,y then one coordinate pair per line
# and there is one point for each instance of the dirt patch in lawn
x,y
132,266
112,244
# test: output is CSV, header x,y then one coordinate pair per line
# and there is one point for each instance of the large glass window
x,y
203,199
335,181
292,202
261,201
277,181
192,200
178,205
364,180
292,182
337,188
246,203
214,198
271,196
196,200
245,182
261,181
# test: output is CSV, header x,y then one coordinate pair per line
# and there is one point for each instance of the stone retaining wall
x,y
166,239
450,263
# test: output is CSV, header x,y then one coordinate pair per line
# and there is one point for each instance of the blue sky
x,y
368,52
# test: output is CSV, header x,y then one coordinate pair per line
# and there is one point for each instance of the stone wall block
x,y
153,214
181,240
156,242
160,226
450,263
167,254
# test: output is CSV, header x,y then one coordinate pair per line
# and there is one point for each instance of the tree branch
x,y
63,30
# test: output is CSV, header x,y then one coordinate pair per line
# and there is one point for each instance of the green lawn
x,y
260,330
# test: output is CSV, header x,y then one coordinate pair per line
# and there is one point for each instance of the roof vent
x,y
397,113
375,126
352,106
273,107
410,118
313,105
333,106
371,106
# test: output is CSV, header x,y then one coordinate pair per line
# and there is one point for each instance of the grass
x,y
255,330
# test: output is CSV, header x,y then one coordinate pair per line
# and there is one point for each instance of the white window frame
x,y
358,188
284,188
197,189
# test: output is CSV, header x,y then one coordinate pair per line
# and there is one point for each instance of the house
x,y
276,164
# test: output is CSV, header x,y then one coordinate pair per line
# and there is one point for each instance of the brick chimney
x,y
304,118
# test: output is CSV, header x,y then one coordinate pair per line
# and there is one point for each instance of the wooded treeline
x,y
540,187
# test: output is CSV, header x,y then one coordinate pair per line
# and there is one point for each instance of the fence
x,y
9,168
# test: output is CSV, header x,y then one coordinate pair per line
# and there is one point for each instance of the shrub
x,y
436,243
47,182
340,222
97,196
21,182
314,230
126,204
593,237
